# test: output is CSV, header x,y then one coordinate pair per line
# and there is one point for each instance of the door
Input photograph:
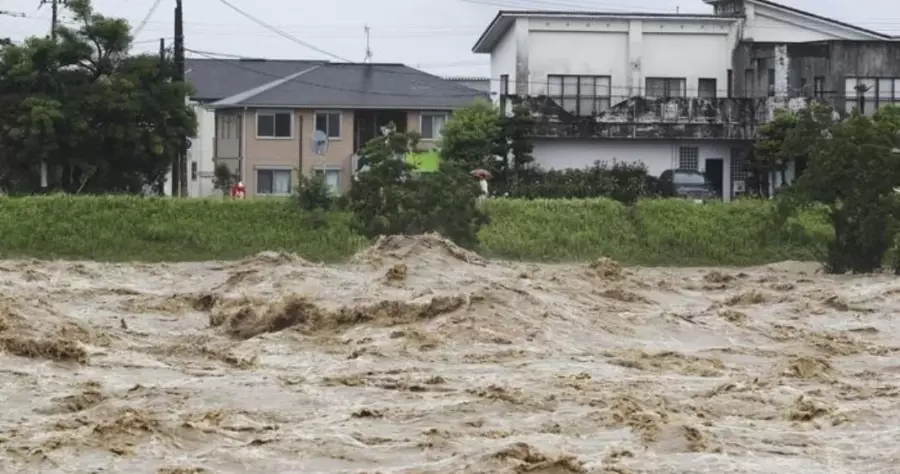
x,y
715,174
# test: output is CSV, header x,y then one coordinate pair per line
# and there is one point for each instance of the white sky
x,y
436,35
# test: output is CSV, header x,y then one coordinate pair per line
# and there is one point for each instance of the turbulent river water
x,y
419,357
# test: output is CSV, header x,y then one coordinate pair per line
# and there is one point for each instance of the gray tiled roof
x,y
300,84
215,79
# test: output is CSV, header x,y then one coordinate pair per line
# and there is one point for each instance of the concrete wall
x,y
771,23
202,153
798,65
503,61
658,156
628,50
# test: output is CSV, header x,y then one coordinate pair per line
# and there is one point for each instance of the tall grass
x,y
163,229
655,232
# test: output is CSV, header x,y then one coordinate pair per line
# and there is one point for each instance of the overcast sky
x,y
436,35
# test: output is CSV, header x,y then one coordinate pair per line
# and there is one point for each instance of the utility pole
x,y
54,21
54,18
179,169
368,48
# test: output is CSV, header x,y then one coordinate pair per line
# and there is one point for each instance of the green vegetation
x,y
159,229
123,228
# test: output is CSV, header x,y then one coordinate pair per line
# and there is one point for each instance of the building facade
x,y
675,90
258,117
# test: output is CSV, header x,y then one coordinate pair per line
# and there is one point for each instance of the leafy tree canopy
x,y
101,119
391,197
853,168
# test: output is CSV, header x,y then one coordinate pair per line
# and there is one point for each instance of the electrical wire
x,y
614,89
281,33
136,31
239,65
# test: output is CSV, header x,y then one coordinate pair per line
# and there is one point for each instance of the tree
x,y
103,121
472,136
479,136
852,170
224,179
390,197
769,155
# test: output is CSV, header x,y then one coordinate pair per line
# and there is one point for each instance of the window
x,y
193,171
225,123
329,123
666,87
749,85
432,124
771,81
580,95
689,158
333,180
273,181
730,84
873,93
274,124
706,88
819,86
504,84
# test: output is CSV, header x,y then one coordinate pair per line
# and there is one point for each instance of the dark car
x,y
686,184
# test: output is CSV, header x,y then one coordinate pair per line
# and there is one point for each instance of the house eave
x,y
337,107
506,18
784,9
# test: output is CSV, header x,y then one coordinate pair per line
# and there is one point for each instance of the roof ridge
x,y
250,93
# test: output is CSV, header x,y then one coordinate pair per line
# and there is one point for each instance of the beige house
x,y
264,132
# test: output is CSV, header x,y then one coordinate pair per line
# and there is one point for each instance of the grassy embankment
x,y
658,233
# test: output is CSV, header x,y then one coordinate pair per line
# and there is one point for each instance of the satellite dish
x,y
319,143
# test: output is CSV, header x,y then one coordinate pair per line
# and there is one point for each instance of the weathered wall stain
x,y
661,118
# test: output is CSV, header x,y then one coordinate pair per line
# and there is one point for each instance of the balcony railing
x,y
659,118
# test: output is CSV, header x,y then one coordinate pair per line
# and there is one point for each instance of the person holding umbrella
x,y
482,176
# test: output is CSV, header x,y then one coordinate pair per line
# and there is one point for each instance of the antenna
x,y
368,58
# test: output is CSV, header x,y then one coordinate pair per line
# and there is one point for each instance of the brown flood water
x,y
422,358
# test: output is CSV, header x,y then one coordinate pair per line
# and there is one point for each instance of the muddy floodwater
x,y
419,357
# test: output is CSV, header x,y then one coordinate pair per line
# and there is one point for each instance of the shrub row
x,y
653,232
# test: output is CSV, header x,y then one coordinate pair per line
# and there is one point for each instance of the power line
x,y
234,60
238,65
281,33
136,31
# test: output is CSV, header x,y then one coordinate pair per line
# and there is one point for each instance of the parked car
x,y
686,184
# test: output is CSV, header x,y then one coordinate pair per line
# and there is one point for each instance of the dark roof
x,y
823,18
482,84
215,79
505,18
354,85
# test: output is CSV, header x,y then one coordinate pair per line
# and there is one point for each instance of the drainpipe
x,y
242,163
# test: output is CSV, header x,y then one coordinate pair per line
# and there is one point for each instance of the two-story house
x,y
261,115
678,90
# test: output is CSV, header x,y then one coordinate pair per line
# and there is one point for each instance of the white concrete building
x,y
200,165
590,69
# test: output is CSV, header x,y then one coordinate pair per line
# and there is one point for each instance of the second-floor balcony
x,y
659,118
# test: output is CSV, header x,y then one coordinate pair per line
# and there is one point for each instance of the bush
x,y
623,182
391,198
313,193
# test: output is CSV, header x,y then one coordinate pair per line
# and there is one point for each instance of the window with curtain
x,y
333,180
666,87
580,95
273,181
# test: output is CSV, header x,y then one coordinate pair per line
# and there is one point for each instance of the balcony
x,y
688,118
